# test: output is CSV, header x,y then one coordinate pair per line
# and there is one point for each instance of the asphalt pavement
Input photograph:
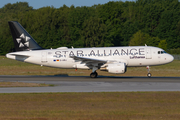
x,y
87,84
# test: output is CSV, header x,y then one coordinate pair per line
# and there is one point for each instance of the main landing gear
x,y
94,74
149,74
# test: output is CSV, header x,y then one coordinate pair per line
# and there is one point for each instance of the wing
x,y
94,64
89,60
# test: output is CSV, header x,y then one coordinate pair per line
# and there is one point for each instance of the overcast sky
x,y
58,3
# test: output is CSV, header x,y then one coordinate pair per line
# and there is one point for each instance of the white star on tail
x,y
26,41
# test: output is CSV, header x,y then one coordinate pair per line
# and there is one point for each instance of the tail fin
x,y
22,40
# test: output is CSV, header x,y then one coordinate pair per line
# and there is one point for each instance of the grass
x,y
13,67
91,106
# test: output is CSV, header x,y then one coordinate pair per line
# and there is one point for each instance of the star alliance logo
x,y
23,41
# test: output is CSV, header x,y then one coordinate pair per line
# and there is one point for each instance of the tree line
x,y
151,22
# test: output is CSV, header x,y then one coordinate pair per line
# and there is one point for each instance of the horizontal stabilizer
x,y
18,54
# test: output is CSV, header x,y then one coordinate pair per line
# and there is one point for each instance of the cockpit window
x,y
161,52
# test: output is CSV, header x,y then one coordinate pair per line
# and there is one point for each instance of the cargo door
x,y
44,57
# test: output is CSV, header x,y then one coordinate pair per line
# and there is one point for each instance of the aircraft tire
x,y
94,75
149,75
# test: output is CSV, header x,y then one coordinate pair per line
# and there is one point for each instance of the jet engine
x,y
117,68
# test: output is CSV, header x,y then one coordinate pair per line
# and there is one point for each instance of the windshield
x,y
161,52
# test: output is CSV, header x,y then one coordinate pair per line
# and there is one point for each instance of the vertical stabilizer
x,y
22,40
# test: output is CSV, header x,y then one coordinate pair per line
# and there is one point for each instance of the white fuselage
x,y
60,58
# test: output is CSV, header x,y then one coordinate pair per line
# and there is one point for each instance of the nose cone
x,y
170,58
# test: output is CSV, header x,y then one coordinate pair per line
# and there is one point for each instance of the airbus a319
x,y
111,59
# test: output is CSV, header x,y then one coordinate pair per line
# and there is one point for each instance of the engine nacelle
x,y
117,68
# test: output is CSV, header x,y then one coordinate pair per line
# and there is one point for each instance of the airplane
x,y
111,59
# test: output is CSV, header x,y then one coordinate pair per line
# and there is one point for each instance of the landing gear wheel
x,y
94,75
149,75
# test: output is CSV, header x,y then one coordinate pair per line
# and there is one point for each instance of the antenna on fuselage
x,y
145,45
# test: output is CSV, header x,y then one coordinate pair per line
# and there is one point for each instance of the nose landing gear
x,y
149,74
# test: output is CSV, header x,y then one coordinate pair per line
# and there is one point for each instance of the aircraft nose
x,y
170,58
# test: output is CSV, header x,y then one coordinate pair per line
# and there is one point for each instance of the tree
x,y
151,22
94,33
140,39
163,44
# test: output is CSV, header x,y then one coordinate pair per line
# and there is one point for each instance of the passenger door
x,y
148,53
